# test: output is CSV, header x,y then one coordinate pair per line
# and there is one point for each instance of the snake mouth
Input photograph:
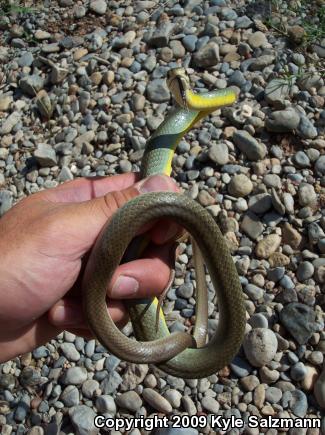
x,y
178,84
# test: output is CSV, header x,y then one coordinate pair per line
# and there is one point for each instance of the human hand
x,y
44,241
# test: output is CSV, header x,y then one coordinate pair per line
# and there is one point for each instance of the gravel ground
x,y
82,86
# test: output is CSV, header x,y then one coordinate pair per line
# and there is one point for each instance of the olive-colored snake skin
x,y
179,354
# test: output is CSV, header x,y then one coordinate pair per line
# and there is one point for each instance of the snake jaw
x,y
178,83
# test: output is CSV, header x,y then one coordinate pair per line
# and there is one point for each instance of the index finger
x,y
85,189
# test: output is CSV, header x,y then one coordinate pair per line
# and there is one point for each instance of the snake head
x,y
178,83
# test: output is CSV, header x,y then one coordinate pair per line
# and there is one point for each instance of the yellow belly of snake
x,y
179,353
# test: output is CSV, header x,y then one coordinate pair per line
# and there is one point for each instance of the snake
x,y
180,353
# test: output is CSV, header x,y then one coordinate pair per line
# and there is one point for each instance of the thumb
x,y
88,217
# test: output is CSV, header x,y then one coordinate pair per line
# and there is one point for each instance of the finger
x,y
68,313
80,223
143,277
85,189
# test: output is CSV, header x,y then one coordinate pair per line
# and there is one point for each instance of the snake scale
x,y
180,354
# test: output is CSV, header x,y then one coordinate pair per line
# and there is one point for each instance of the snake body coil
x,y
179,354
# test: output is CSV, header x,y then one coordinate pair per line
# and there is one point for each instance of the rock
x,y
299,320
252,226
5,101
210,404
45,155
58,75
9,123
74,376
31,85
309,380
70,352
219,154
257,39
307,194
296,34
174,397
298,371
260,346
30,377
278,259
261,62
40,35
83,418
70,395
320,165
240,367
276,91
277,203
291,236
305,271
273,394
267,246
157,91
272,180
301,160
189,42
156,401
105,403
260,203
298,403
44,104
129,400
306,128
98,6
249,146
319,389
240,186
90,388
254,293
134,375
161,36
282,121
207,56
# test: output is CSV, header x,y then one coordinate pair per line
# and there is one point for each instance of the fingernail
x,y
67,315
157,183
125,286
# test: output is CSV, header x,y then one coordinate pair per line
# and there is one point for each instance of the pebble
x,y
105,403
9,123
31,84
319,389
98,6
207,56
249,146
240,186
157,91
83,418
282,121
252,226
74,376
257,39
156,401
267,246
130,401
70,396
276,91
45,155
219,154
260,346
299,320
5,101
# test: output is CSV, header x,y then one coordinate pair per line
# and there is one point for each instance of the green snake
x,y
180,353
